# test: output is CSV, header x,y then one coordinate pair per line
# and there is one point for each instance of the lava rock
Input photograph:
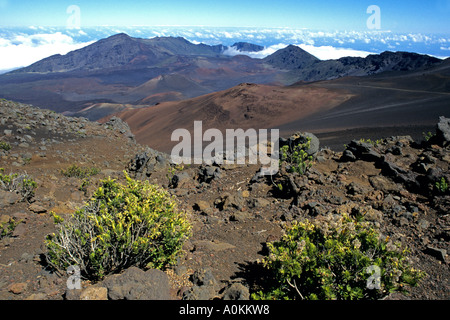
x,y
136,284
118,124
236,291
443,131
301,138
204,286
144,164
439,254
361,151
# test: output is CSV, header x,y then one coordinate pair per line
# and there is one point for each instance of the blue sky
x,y
429,16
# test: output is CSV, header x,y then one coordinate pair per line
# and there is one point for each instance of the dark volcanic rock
x,y
204,288
358,150
247,47
136,284
118,124
400,175
443,131
301,138
236,291
144,164
291,57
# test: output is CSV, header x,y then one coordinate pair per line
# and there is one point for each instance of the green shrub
x,y
333,257
5,146
137,224
7,227
427,136
373,143
84,185
442,186
22,184
78,172
296,158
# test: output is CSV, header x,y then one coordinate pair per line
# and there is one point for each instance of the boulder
x,y
208,173
358,150
205,286
236,291
348,156
440,254
200,293
181,180
146,163
443,131
301,138
201,205
118,124
204,277
8,198
137,284
398,174
36,208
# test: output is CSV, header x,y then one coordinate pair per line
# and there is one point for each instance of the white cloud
x,y
231,51
329,52
321,52
23,50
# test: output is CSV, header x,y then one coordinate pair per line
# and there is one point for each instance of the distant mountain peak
x,y
247,47
119,51
120,35
291,57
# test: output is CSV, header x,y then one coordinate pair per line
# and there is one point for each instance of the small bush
x,y
333,257
137,224
7,227
5,146
442,186
427,136
296,158
78,172
22,184
373,143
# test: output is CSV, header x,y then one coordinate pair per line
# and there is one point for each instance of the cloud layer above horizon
x,y
20,47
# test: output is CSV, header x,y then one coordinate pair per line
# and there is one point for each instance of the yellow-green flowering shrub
x,y
22,184
7,227
336,257
79,172
296,158
442,186
5,146
137,224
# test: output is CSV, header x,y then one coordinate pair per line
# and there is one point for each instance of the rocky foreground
x,y
397,182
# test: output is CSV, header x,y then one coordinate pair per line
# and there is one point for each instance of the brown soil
x,y
229,240
241,107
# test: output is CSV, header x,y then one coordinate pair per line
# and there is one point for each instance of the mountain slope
x,y
121,51
242,107
305,67
291,58
398,100
124,70
116,51
247,47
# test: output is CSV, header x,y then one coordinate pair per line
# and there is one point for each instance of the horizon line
x,y
234,27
